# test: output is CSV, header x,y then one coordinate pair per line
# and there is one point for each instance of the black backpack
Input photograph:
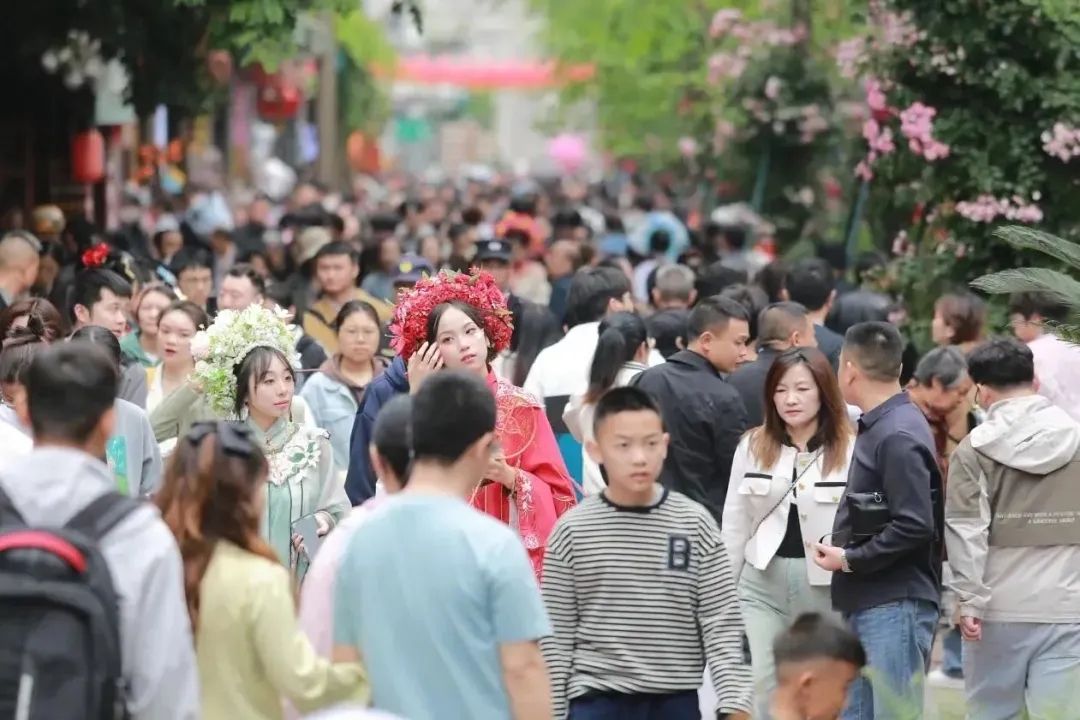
x,y
60,616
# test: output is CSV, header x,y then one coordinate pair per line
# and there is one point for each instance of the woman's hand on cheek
x,y
426,360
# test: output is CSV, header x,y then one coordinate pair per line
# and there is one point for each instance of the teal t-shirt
x,y
427,591
116,455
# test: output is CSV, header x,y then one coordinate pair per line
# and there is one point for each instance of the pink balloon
x,y
568,151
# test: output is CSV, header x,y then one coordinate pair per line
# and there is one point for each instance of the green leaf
x,y
1025,238
1043,280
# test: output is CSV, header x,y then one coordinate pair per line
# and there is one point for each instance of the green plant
x,y
972,110
1035,279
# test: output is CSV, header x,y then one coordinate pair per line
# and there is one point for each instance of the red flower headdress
x,y
95,256
408,328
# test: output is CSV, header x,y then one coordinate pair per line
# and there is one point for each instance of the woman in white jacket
x,y
786,481
622,351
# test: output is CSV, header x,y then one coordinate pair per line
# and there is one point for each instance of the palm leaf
x,y
1052,282
1025,238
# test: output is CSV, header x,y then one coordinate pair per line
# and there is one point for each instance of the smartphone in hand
x,y
307,527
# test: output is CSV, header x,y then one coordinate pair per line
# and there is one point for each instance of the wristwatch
x,y
844,567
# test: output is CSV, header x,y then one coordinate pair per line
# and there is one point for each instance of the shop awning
x,y
487,74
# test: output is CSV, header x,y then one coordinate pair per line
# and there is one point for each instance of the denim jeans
x,y
897,637
952,645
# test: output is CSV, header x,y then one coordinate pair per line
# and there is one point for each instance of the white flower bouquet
x,y
224,345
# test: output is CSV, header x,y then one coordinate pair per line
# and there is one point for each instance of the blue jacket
x,y
360,481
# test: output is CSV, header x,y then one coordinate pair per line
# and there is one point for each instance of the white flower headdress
x,y
225,344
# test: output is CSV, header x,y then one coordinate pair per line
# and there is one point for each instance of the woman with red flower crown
x,y
462,322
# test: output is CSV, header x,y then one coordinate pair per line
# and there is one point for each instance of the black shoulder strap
x,y
97,519
9,514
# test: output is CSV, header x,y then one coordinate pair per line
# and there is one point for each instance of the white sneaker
x,y
937,678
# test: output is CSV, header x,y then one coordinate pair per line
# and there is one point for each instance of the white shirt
x,y
562,370
1057,368
754,490
14,444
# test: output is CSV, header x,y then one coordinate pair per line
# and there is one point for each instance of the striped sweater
x,y
639,600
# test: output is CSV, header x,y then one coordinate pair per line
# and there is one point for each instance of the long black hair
x,y
621,336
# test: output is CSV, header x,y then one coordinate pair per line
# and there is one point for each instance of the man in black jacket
x,y
782,326
703,414
886,547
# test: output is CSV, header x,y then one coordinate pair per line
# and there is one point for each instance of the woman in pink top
x,y
390,459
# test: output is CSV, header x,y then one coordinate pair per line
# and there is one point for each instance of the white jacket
x,y
754,490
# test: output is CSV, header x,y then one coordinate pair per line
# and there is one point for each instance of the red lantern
x,y
88,157
279,101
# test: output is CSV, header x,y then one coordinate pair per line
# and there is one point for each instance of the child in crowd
x,y
638,586
816,662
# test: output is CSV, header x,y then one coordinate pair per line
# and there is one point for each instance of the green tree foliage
x,y
999,77
1057,284
164,43
650,58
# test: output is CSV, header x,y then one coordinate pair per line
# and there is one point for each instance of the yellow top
x,y
251,650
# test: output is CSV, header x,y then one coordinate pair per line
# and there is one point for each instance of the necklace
x,y
290,433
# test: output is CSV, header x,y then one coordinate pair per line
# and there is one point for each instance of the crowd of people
x,y
461,455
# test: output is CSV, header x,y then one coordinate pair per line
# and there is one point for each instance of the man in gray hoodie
x,y
1012,529
70,388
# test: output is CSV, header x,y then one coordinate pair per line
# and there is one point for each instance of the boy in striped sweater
x,y
638,587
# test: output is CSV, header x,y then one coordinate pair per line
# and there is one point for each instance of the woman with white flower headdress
x,y
245,369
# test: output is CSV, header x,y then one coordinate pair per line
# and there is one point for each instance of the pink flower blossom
x,y
723,21
986,208
725,65
917,125
875,95
850,54
688,147
864,171
1062,142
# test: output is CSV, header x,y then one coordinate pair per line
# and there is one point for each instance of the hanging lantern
x,y
88,157
278,102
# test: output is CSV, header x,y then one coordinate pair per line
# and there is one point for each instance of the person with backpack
x,y
93,616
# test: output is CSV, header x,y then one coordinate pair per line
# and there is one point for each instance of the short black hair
x,y
189,259
244,270
815,637
778,321
717,277
810,282
659,242
877,348
591,290
668,330
102,338
1048,306
1002,363
69,388
712,313
623,399
335,248
451,411
752,298
391,434
87,286
771,279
